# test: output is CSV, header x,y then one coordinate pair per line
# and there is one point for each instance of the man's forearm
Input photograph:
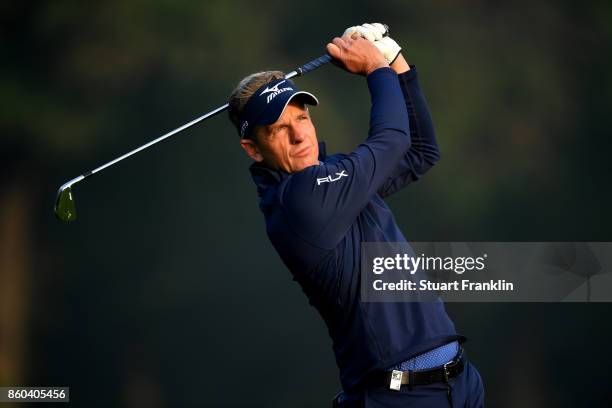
x,y
424,148
387,110
423,151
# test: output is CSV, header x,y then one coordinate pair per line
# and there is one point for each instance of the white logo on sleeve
x,y
330,179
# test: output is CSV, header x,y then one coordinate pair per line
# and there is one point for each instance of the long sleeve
x,y
323,201
424,151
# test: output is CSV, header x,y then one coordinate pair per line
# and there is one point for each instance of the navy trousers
x,y
467,391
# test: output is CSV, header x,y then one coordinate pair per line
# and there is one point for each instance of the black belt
x,y
422,377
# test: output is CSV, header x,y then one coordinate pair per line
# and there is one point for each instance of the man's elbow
x,y
431,156
435,157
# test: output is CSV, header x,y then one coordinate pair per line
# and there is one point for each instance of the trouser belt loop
x,y
410,379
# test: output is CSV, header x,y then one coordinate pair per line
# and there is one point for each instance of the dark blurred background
x,y
166,286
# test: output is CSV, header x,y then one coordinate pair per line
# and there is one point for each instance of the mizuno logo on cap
x,y
275,91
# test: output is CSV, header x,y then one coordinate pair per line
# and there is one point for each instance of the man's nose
x,y
297,135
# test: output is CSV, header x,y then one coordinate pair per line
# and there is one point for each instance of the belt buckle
x,y
396,380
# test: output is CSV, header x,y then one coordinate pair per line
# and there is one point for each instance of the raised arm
x,y
424,151
323,201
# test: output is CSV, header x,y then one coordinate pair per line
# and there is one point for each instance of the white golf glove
x,y
375,33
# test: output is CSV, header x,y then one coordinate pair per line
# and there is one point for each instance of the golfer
x,y
319,209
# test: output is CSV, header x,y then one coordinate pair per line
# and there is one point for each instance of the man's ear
x,y
251,149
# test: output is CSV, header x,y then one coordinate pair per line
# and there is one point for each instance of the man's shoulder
x,y
334,158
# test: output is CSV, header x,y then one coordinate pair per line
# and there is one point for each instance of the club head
x,y
65,209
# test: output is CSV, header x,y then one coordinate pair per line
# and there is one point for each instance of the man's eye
x,y
279,129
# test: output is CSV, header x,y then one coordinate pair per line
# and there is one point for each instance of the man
x,y
319,209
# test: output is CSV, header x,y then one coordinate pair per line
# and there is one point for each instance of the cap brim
x,y
306,97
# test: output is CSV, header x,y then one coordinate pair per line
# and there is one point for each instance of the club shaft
x,y
316,63
159,139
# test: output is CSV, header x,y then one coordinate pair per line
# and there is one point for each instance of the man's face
x,y
289,144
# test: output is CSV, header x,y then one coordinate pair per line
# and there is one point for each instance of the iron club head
x,y
65,208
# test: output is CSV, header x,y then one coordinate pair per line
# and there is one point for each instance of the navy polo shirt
x,y
317,219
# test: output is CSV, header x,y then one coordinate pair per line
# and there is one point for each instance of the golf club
x,y
65,208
